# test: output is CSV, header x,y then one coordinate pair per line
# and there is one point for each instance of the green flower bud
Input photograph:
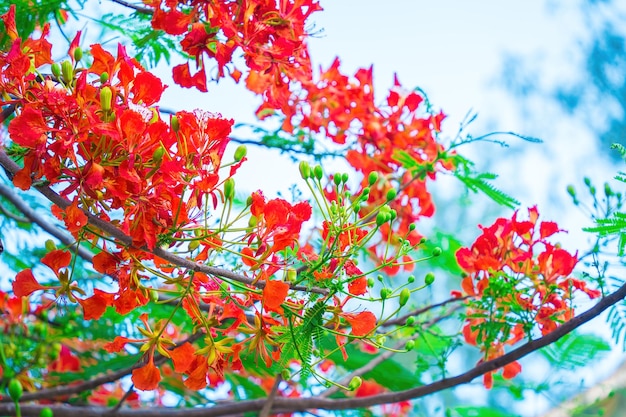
x,y
106,96
587,181
571,190
382,218
437,251
372,178
305,170
344,177
429,278
194,244
607,190
412,227
252,221
56,70
405,294
240,152
174,123
337,179
292,275
370,282
355,383
410,279
158,153
50,246
46,412
409,345
365,192
78,54
384,293
104,77
391,194
393,214
67,71
318,172
410,321
229,189
15,390
154,295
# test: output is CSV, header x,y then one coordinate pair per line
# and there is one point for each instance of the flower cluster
x,y
270,34
516,280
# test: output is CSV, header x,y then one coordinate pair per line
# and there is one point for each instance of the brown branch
x,y
32,216
138,9
269,401
126,240
303,404
63,390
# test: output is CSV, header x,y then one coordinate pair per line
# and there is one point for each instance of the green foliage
x,y
478,182
575,350
150,46
477,412
31,14
615,225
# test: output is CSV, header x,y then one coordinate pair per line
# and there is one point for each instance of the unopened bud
x,y
429,278
240,152
405,294
305,170
78,54
56,69
391,194
355,383
318,172
372,178
174,123
104,77
229,189
106,96
437,251
67,71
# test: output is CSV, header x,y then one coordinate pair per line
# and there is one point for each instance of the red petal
x,y
117,344
57,259
25,284
274,295
147,377
183,357
362,323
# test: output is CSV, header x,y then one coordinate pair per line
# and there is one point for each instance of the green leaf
x,y
575,350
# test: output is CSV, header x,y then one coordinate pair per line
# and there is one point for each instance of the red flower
x,y
147,377
362,323
274,295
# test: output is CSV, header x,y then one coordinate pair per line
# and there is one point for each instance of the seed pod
x,y
240,152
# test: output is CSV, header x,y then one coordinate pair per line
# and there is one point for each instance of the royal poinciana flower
x,y
517,280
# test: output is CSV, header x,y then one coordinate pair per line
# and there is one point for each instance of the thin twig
x,y
402,319
269,401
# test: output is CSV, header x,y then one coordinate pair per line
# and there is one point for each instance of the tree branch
x,y
63,390
138,9
124,239
303,404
